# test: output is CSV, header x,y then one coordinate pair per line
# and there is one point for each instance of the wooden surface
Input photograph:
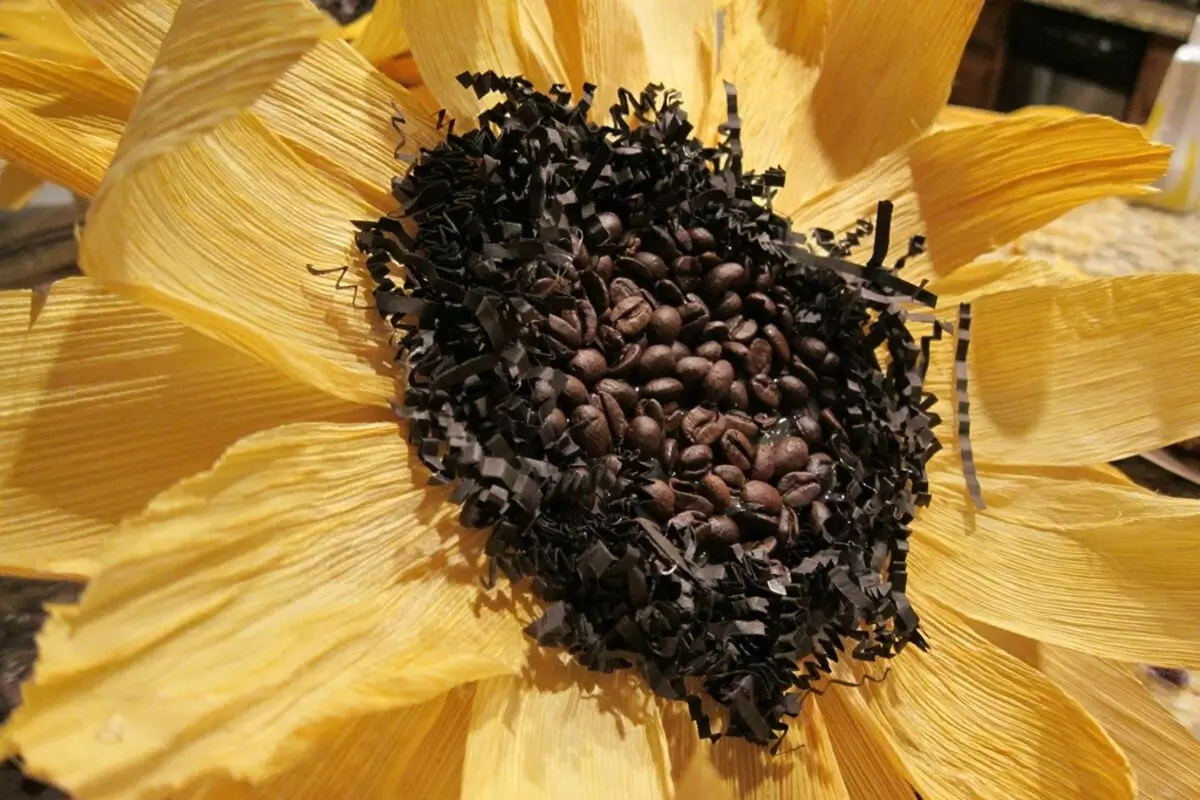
x,y
1151,16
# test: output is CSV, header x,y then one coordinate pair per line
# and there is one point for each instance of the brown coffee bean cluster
x,y
680,355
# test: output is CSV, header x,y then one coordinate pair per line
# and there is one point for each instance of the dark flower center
x,y
701,435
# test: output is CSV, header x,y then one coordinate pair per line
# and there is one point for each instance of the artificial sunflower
x,y
278,603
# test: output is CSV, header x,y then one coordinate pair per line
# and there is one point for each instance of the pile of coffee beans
x,y
669,408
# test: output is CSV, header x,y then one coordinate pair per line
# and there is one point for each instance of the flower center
x,y
703,436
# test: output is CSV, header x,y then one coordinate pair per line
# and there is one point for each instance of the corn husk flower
x,y
278,604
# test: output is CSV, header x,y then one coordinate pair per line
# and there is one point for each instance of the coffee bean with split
x,y
621,289
803,494
728,306
716,490
744,331
765,391
763,495
718,381
610,340
631,316
758,357
669,455
692,370
645,435
736,449
624,393
589,365
663,389
696,458
809,430
665,324
568,334
661,500
613,412
702,425
653,409
590,430
821,466
741,421
789,526
791,454
733,477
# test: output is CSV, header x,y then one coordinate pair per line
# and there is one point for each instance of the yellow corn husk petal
x,y
105,404
992,276
40,26
872,70
733,769
559,730
972,189
309,578
965,719
59,121
331,107
383,35
865,764
1084,372
1080,564
961,116
17,186
1164,754
368,758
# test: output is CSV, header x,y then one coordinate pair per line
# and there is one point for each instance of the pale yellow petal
x,y
965,719
993,275
804,768
40,25
17,186
559,731
331,107
971,189
383,35
309,578
1101,568
865,763
59,121
960,116
1165,755
368,758
104,404
1083,372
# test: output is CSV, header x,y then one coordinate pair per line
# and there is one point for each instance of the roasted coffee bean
x,y
716,491
738,397
765,391
736,352
680,351
669,293
829,422
610,340
819,514
590,430
701,239
624,393
688,501
652,409
758,359
709,434
663,389
791,454
692,370
766,420
802,371
646,435
682,238
564,332
732,477
674,418
710,350
596,290
744,331
695,419
544,287
662,500
778,342
729,305
821,466
809,430
631,355
669,456
789,526
611,227
591,322
695,319
631,316
605,267
737,449
657,361
739,420
795,480
719,531
686,267
615,416
763,495
716,331
575,392
830,364
696,457
764,280
786,321
658,242
589,365
793,390
620,289
542,392
760,306
710,259
653,268
802,495
812,350
720,279
763,468
717,381
556,422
